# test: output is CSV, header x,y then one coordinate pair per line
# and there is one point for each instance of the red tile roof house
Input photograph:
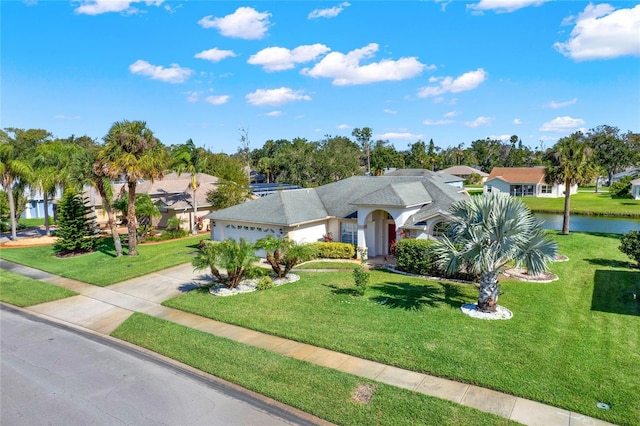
x,y
523,182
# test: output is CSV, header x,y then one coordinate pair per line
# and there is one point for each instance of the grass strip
x,y
326,264
22,291
102,267
571,343
586,203
317,390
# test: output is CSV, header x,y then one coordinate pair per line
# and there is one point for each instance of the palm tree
x,y
187,158
571,164
236,257
13,167
488,232
134,153
86,169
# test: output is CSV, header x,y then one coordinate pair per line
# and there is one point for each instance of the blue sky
x,y
451,71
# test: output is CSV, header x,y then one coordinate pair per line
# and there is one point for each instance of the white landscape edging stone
x,y
247,286
501,312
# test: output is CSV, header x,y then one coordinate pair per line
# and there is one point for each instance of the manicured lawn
x,y
327,264
101,267
587,203
572,343
21,291
321,391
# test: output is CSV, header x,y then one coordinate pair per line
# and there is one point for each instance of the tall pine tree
x,y
77,229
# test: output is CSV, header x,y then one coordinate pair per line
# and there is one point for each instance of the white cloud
x,y
331,12
280,58
96,7
480,121
346,69
500,137
193,96
174,74
217,100
467,81
556,105
437,122
274,114
273,97
246,23
390,111
562,124
397,135
601,32
504,6
451,114
344,127
517,121
215,54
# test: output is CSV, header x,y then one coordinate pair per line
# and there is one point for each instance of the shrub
x,y
331,250
621,189
257,272
265,283
416,256
630,245
174,229
361,280
283,254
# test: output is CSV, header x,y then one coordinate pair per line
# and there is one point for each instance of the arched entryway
x,y
380,232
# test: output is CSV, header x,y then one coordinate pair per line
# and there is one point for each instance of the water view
x,y
590,223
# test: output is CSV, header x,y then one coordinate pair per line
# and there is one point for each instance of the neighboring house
x,y
34,208
523,182
264,189
450,179
631,171
371,212
465,172
172,194
635,189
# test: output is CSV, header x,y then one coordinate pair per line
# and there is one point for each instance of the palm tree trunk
x,y
195,212
12,211
567,208
111,221
132,222
488,294
46,214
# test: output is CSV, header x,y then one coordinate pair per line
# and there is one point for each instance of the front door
x,y
391,236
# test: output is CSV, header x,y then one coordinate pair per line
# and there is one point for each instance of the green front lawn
x,y
587,203
321,391
572,343
101,267
22,291
328,264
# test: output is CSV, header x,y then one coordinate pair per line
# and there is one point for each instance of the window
x,y
349,232
546,189
489,188
441,228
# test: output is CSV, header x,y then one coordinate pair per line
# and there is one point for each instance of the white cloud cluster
x,y
390,111
97,7
504,6
397,135
174,74
331,12
556,105
245,23
275,97
601,32
480,121
215,54
217,100
280,58
440,122
346,69
467,81
562,124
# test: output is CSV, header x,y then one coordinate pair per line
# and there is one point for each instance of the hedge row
x,y
416,256
331,250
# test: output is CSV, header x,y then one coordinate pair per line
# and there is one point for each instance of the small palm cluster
x,y
238,257
487,232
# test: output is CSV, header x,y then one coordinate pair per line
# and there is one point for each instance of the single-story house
x,y
635,189
172,194
523,182
465,172
450,179
371,212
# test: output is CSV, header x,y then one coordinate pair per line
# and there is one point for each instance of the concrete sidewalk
x,y
103,309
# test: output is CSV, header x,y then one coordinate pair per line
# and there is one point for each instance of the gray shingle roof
x,y
340,199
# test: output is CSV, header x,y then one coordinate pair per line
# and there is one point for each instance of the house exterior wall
x,y
635,191
373,227
495,185
498,185
309,233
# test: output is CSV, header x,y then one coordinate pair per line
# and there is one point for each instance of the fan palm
x,y
12,168
132,152
488,232
187,158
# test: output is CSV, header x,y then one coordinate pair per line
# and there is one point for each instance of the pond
x,y
590,223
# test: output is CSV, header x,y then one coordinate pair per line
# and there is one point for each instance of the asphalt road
x,y
56,376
